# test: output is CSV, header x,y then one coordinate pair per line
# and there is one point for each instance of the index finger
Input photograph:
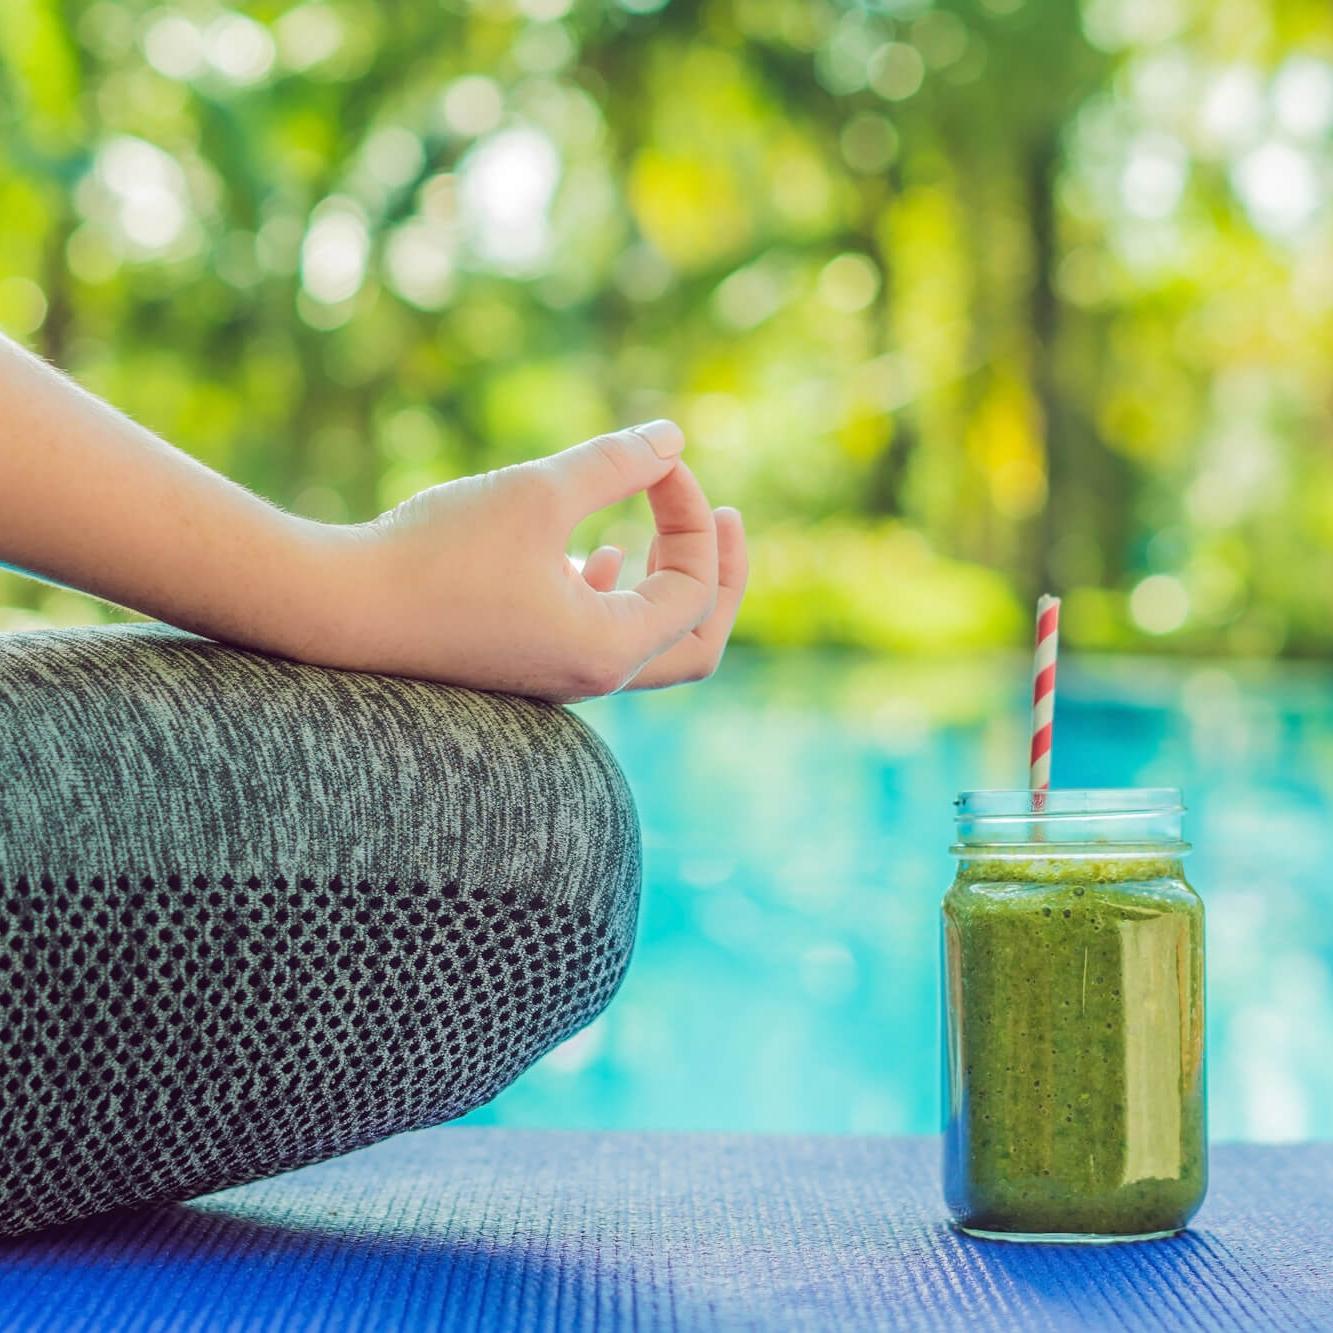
x,y
682,590
608,468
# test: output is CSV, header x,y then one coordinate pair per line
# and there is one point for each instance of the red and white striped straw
x,y
1043,692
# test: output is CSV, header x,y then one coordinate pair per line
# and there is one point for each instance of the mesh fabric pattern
x,y
254,914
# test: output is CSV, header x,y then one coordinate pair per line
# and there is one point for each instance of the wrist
x,y
320,607
307,613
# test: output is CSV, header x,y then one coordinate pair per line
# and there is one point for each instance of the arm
x,y
466,582
90,499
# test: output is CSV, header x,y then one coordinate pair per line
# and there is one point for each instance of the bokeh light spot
x,y
1154,176
1277,184
896,71
506,183
22,305
239,49
412,435
941,38
472,105
841,61
848,283
1231,111
308,35
174,46
1159,604
1113,24
642,273
90,257
543,48
419,263
747,297
1303,96
869,143
394,155
146,192
334,252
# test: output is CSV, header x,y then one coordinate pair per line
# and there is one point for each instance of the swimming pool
x,y
797,814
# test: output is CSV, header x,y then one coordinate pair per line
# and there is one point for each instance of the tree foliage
x,y
956,300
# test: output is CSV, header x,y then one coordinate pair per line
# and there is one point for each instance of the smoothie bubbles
x,y
1073,1008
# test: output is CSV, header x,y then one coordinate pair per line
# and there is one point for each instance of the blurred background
x,y
959,301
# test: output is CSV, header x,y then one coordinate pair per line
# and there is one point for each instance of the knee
x,y
534,928
259,914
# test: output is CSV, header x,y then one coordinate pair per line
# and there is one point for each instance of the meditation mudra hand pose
x,y
254,911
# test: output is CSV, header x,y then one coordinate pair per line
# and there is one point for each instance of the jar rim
x,y
1143,817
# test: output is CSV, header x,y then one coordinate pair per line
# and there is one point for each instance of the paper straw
x,y
1043,695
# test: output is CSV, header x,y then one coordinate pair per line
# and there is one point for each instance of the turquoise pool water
x,y
797,815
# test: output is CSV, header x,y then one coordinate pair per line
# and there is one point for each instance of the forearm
x,y
93,500
468,582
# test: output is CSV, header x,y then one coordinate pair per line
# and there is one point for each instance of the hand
x,y
469,582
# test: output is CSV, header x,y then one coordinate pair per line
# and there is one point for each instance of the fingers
x,y
733,562
696,656
609,468
681,590
602,568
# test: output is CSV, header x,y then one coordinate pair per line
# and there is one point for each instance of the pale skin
x,y
467,583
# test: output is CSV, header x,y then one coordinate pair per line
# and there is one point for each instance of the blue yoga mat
x,y
488,1229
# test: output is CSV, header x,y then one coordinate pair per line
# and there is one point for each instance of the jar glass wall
x,y
1073,1018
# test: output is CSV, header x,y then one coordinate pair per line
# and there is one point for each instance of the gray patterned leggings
x,y
254,914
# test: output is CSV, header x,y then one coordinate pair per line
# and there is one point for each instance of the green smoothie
x,y
1074,1044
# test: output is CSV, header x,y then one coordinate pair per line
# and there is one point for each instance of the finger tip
x,y
665,437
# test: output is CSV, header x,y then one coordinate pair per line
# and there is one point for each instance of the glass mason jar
x,y
1073,1018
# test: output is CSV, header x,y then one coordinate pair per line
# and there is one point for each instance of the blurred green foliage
x,y
957,300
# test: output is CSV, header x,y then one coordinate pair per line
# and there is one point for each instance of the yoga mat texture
x,y
534,1232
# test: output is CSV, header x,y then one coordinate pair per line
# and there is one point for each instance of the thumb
x,y
608,468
